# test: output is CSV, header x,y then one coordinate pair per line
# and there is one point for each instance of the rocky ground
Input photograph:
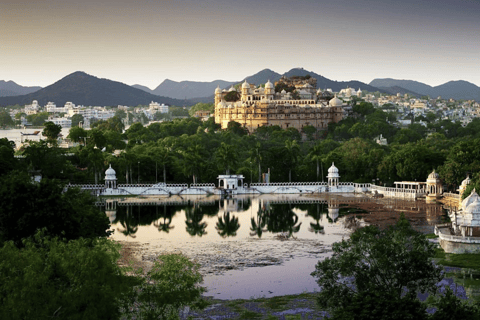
x,y
216,258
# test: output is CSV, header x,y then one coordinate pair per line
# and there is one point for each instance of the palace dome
x,y
335,102
269,85
110,174
245,85
218,90
474,207
333,169
231,89
470,199
433,177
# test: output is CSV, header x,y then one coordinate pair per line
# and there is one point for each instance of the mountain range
x,y
10,88
459,90
84,89
203,91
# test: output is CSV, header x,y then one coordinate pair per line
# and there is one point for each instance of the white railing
x,y
288,184
399,190
200,185
86,186
135,185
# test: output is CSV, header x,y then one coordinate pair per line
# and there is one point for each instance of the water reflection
x,y
218,218
227,226
163,224
257,225
194,224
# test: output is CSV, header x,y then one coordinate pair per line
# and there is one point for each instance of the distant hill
x,y
10,88
325,83
188,89
263,76
396,89
452,89
83,89
143,88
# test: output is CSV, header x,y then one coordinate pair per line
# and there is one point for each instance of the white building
x,y
32,108
64,122
156,107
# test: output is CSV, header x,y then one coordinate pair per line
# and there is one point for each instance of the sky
x,y
147,41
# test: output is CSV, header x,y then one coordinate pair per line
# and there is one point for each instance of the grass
x,y
431,236
465,260
280,302
265,308
247,314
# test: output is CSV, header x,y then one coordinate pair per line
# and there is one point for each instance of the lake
x,y
258,246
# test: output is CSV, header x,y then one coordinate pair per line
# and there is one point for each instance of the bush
x,y
49,278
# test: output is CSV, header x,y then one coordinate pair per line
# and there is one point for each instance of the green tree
x,y
76,119
171,284
5,119
232,96
50,278
236,128
37,119
226,156
376,274
51,131
26,206
291,150
77,134
7,159
50,161
201,107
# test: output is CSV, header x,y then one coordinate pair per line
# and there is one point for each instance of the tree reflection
x,y
164,226
194,224
226,226
281,218
130,226
257,226
316,213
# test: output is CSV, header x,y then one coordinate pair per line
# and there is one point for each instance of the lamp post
x,y
138,171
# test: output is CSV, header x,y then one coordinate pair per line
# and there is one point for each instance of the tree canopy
x,y
377,274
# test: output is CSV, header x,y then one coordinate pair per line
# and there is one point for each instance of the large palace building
x,y
255,107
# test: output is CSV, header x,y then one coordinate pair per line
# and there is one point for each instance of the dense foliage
x,y
49,278
26,207
378,274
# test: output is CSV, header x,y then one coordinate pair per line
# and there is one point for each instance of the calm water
x,y
255,246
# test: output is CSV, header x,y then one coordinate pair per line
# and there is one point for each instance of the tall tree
x,y
378,274
292,150
51,131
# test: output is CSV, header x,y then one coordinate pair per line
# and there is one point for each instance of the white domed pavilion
x,y
110,178
333,176
434,186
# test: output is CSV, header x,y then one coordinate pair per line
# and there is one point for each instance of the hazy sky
x,y
147,41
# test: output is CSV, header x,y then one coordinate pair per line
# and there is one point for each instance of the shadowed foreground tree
x,y
80,279
377,274
26,206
